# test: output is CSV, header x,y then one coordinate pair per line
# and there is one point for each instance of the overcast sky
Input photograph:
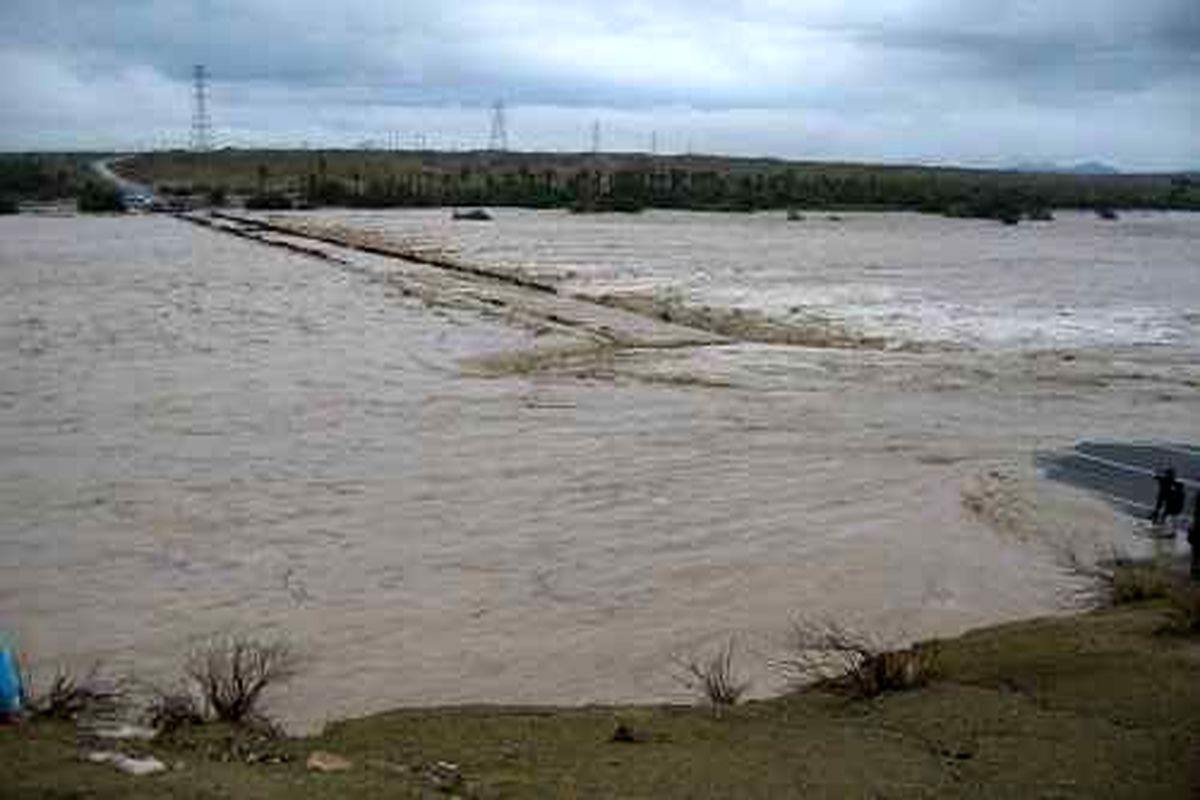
x,y
935,81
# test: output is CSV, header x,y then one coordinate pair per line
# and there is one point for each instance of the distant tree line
x,y
633,189
47,177
99,197
613,182
36,177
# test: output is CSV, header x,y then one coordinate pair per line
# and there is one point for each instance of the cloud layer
x,y
923,80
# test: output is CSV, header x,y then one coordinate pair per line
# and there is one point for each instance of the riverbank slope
x,y
1103,704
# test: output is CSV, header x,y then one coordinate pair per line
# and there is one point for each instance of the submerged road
x,y
1123,473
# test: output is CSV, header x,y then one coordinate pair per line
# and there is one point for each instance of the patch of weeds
x,y
713,677
66,696
1135,583
832,656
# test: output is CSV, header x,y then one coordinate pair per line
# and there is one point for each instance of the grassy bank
x,y
1105,704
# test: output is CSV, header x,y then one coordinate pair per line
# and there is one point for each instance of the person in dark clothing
x,y
1176,500
1194,537
1166,495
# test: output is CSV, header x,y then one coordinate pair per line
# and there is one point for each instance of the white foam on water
x,y
1076,282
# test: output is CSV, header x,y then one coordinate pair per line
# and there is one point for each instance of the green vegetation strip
x,y
626,182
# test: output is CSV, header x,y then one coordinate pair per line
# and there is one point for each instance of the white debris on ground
x,y
125,731
322,761
127,764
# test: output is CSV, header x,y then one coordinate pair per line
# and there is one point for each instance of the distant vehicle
x,y
476,214
139,200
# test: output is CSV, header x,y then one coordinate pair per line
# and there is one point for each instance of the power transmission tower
x,y
596,136
201,124
498,141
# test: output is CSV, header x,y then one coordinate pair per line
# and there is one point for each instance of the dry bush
x,y
1135,583
831,655
62,699
66,696
232,671
171,710
820,651
713,677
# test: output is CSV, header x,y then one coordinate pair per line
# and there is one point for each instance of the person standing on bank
x,y
1194,537
1171,496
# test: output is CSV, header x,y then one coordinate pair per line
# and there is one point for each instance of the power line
x,y
201,123
498,141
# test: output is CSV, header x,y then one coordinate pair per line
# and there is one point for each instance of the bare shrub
x,y
232,671
834,656
62,699
171,710
66,696
713,677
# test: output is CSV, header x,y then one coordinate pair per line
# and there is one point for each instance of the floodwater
x,y
1078,281
200,433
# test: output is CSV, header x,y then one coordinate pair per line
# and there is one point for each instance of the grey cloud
x,y
949,64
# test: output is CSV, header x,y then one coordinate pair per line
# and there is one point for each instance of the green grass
x,y
1106,704
1134,583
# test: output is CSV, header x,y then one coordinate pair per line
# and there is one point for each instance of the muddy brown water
x,y
199,433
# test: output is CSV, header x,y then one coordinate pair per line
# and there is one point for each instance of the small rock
x,y
321,761
445,776
139,766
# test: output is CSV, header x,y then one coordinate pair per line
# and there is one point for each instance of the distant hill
x,y
1083,168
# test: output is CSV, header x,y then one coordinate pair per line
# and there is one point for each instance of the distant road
x,y
134,193
1123,473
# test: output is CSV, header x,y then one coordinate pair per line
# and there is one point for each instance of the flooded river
x,y
200,433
